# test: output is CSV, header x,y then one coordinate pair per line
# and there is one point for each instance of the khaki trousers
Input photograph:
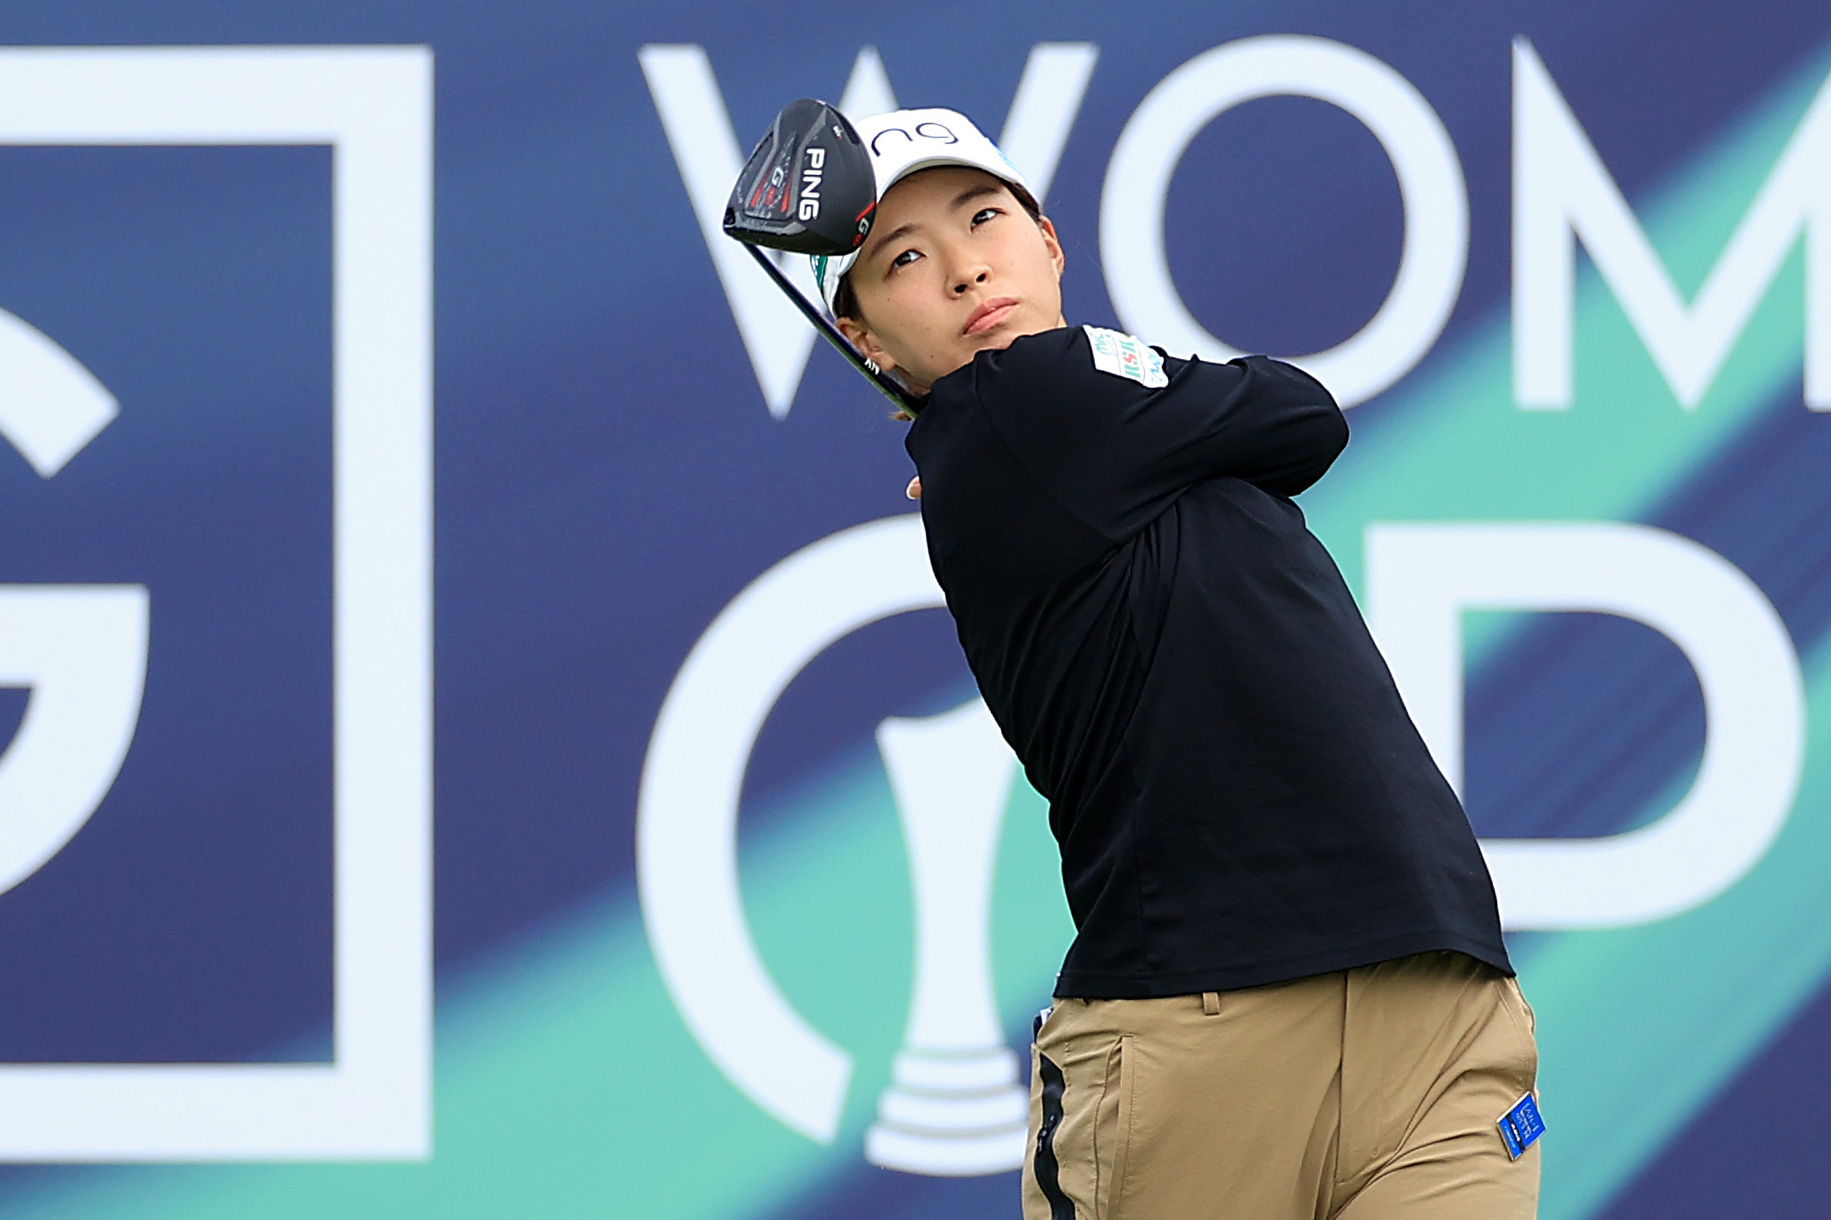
x,y
1366,1094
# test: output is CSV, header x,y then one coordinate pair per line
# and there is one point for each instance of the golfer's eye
x,y
905,258
983,215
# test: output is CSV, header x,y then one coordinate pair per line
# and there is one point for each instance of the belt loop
x,y
1211,1003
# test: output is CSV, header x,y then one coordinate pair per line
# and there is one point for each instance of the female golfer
x,y
1287,995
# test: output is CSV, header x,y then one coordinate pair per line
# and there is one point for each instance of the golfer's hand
x,y
914,490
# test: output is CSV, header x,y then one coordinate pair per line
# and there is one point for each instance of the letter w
x,y
699,130
1562,192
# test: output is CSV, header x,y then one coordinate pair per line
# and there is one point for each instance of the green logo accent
x,y
820,271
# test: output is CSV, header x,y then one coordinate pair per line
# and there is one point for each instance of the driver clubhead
x,y
809,186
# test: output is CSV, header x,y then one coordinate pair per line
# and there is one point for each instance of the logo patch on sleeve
x,y
1124,356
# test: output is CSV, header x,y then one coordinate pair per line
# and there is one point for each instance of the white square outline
x,y
373,107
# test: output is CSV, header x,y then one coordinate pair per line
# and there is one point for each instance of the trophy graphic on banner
x,y
955,1106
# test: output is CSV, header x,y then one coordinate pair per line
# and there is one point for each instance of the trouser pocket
x,y
1079,1111
1520,1017
1113,1128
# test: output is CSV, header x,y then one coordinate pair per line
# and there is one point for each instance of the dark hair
x,y
845,301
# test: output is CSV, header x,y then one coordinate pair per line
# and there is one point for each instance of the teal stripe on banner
x,y
1640,1027
1449,444
567,1085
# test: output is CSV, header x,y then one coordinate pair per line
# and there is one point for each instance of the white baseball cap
x,y
904,141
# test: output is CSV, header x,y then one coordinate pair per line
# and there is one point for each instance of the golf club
x,y
809,187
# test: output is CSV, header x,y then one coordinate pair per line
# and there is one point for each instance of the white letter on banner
x,y
50,405
686,811
1420,578
705,147
1563,193
1430,186
81,649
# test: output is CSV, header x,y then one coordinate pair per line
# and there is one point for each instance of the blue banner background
x,y
609,478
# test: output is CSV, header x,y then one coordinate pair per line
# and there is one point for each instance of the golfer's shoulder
x,y
1047,353
1061,369
1087,359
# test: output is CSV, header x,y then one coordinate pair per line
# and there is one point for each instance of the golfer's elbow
x,y
1322,425
1317,434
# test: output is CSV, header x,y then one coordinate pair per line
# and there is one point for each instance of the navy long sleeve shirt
x,y
1237,790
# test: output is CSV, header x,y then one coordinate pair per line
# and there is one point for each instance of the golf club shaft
x,y
890,389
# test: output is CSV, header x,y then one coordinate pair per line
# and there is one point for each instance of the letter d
x,y
1421,577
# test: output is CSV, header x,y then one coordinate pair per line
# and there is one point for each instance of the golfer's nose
x,y
977,274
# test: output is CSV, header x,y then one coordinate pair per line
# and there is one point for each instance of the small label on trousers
x,y
1521,1126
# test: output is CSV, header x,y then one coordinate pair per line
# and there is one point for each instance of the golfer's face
x,y
953,266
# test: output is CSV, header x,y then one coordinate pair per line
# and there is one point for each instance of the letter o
x,y
686,810
1431,189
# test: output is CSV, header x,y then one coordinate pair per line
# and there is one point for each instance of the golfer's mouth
x,y
988,315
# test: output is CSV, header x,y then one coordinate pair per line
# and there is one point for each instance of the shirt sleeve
x,y
1117,451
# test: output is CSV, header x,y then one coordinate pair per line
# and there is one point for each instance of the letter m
x,y
1563,194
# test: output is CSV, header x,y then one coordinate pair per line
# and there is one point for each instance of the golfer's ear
x,y
860,337
1057,255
